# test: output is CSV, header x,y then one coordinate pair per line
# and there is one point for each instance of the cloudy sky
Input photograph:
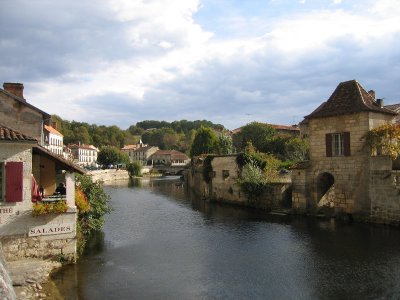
x,y
228,61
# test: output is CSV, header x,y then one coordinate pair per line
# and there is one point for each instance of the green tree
x,y
134,168
205,141
297,149
225,144
108,155
257,133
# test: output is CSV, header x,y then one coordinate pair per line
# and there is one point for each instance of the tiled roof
x,y
83,146
393,107
174,154
8,134
129,147
144,149
349,97
66,164
52,130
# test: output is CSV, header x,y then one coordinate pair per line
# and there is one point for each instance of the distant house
x,y
129,149
30,173
53,140
343,176
84,155
170,158
143,154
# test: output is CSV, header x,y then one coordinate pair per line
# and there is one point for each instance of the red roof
x,y
52,130
349,97
173,153
8,134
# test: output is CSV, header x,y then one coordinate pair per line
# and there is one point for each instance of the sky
x,y
118,62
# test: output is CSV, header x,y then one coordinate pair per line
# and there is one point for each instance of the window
x,y
337,144
225,174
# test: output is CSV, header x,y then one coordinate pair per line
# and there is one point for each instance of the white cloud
x,y
151,57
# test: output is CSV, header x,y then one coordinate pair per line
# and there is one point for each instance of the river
x,y
160,244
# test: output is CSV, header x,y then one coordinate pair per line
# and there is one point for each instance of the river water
x,y
160,244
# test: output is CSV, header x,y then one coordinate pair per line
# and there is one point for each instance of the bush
x,y
81,202
57,207
134,168
93,218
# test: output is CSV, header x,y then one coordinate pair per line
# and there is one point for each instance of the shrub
x,y
57,207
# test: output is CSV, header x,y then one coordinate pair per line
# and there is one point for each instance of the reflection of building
x,y
26,169
341,175
84,155
170,158
53,140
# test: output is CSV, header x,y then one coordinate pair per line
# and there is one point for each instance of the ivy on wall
x,y
207,168
384,139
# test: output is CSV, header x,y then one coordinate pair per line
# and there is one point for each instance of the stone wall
x,y
18,153
109,175
224,187
350,173
6,288
384,192
44,236
20,117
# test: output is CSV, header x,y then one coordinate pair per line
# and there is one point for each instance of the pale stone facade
x,y
345,182
224,186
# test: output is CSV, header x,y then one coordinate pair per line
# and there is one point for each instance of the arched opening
x,y
325,184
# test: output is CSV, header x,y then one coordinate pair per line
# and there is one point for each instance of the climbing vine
x,y
207,168
384,139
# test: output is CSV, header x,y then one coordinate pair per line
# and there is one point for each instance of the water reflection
x,y
160,243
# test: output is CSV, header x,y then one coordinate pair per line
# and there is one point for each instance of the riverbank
x,y
30,278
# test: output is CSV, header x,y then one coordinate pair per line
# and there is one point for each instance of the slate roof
x,y
349,97
10,135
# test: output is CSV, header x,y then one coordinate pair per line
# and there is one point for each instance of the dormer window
x,y
337,144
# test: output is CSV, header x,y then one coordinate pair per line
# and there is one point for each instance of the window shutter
x,y
328,143
346,143
14,180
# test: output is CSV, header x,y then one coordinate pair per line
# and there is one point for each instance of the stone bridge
x,y
170,170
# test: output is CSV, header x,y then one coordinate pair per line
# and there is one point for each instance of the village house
x,y
53,139
84,155
29,173
143,154
170,158
343,175
129,149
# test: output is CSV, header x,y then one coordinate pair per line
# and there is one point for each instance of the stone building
x,y
170,158
222,185
143,154
342,176
30,173
53,139
84,155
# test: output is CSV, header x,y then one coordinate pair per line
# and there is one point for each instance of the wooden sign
x,y
51,229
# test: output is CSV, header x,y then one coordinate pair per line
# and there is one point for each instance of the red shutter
x,y
346,143
328,143
14,180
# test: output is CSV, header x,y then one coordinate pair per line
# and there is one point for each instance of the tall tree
x,y
205,141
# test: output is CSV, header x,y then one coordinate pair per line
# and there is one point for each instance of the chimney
x,y
16,89
372,93
379,102
54,125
